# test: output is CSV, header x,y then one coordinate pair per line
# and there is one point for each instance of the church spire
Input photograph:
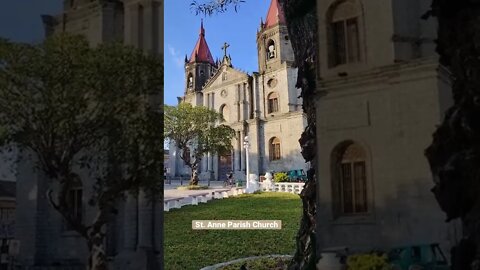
x,y
201,52
202,30
275,14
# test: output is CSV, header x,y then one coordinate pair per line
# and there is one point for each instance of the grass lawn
x,y
187,249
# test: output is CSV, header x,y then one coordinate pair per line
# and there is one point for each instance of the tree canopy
x,y
77,108
199,130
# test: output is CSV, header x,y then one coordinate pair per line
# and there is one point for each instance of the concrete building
x,y
46,241
263,105
381,93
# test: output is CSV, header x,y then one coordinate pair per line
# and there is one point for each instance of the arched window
x,y
271,52
225,112
274,149
190,80
272,102
349,179
344,37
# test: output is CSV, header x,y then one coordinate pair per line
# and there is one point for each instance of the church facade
x,y
264,105
132,238
381,93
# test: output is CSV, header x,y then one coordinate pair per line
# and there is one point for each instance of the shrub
x,y
192,187
280,177
368,262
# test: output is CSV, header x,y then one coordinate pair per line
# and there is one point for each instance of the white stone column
x,y
213,101
206,101
210,162
242,136
205,163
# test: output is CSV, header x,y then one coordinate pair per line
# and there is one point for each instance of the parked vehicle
x,y
297,175
418,257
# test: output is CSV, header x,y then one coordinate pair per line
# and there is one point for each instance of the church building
x,y
264,105
381,93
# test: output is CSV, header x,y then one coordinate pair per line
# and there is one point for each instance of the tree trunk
x,y
454,154
194,179
301,20
97,259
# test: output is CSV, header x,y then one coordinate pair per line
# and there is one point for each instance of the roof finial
x,y
202,30
224,48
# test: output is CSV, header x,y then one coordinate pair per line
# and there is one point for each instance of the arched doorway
x,y
224,166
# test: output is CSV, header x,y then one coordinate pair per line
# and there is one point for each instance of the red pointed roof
x,y
275,14
201,52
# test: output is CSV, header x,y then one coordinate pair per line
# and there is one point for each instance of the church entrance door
x,y
224,166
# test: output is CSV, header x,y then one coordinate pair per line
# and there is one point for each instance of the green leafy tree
x,y
72,106
454,154
196,131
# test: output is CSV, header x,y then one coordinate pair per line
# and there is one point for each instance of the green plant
x,y
280,177
192,187
368,262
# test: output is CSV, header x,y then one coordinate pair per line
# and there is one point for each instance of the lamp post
x,y
246,144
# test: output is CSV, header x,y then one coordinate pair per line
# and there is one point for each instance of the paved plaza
x,y
171,191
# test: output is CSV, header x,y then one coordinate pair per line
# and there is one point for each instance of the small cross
x,y
224,48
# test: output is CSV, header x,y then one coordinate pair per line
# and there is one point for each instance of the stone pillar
x,y
206,101
243,156
131,25
145,216
205,163
238,155
210,162
245,102
213,101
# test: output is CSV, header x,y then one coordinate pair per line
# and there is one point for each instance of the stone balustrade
x,y
283,187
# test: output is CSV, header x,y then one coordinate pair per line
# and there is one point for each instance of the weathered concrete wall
x,y
392,113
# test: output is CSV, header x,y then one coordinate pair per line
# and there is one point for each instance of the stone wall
x,y
392,113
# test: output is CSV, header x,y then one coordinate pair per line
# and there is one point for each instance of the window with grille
x,y
344,34
272,103
351,181
274,149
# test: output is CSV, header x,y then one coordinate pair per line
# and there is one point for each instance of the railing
x,y
283,187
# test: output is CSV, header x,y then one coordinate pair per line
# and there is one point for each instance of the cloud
x,y
176,57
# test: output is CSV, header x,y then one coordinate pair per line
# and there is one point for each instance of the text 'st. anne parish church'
x,y
264,105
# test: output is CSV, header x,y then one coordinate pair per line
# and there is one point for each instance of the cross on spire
x,y
224,48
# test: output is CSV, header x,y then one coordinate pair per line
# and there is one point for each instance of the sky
x,y
182,27
20,20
